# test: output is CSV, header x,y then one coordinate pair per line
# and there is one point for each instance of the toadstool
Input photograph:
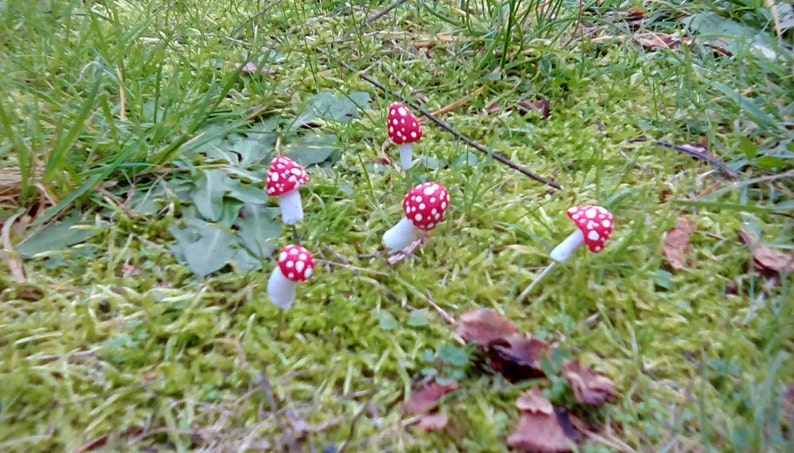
x,y
424,206
284,178
295,264
594,227
404,131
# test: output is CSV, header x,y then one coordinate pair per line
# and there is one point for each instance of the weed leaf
x,y
313,149
208,194
205,248
256,228
57,236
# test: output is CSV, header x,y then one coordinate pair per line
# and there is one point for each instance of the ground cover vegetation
x,y
137,237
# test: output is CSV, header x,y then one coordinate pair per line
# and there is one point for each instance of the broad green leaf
x,y
326,106
418,318
387,321
256,228
313,149
739,37
208,194
57,236
211,252
245,262
230,212
246,192
253,151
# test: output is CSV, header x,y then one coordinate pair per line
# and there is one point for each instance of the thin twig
x,y
443,125
352,432
374,18
264,382
444,315
356,270
702,156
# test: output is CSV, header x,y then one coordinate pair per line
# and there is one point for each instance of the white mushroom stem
x,y
406,156
291,207
560,254
280,289
565,250
401,235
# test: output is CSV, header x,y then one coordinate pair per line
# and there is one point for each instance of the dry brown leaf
x,y
541,108
540,428
519,358
433,422
588,386
651,40
767,259
676,243
428,397
533,401
485,326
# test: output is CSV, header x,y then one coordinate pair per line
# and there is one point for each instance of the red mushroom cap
x,y
285,175
426,204
595,223
403,125
296,263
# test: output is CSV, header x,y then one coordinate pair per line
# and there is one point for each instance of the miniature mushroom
x,y
425,206
295,264
594,227
284,178
404,131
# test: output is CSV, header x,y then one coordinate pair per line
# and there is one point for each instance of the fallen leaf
x,y
433,422
251,68
651,40
767,259
484,327
588,386
534,401
676,243
539,426
519,358
428,397
541,107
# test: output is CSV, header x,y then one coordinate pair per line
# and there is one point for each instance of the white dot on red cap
x,y
597,248
429,190
274,177
417,198
308,273
606,223
593,235
302,257
422,206
290,263
590,213
402,111
299,266
291,275
413,134
294,251
418,217
282,256
444,205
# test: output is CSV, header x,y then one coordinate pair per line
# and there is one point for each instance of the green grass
x,y
115,340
